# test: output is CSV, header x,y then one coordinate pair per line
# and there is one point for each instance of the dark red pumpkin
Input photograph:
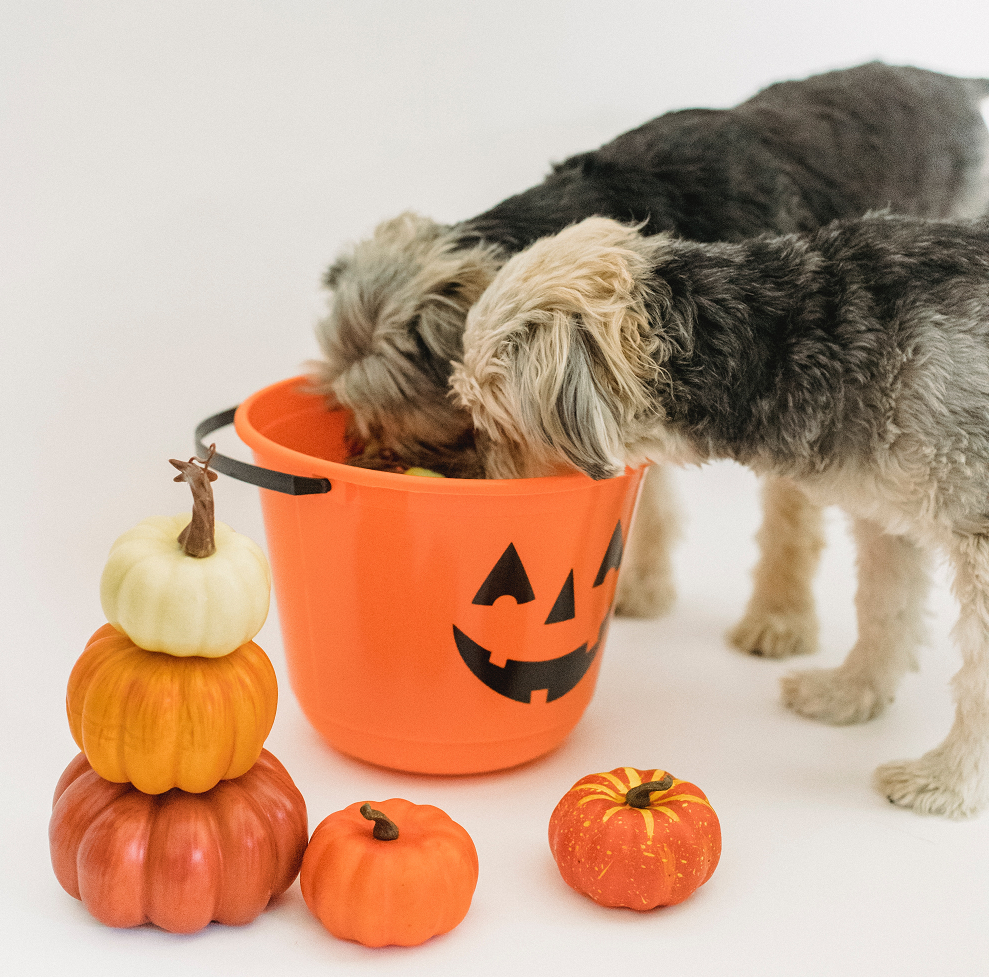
x,y
178,860
635,838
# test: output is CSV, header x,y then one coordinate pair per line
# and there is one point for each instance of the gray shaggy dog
x,y
795,156
853,363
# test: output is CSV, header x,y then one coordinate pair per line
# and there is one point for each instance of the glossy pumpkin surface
x,y
168,601
395,892
159,721
641,857
177,860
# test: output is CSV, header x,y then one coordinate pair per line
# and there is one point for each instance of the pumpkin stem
x,y
639,796
384,830
197,539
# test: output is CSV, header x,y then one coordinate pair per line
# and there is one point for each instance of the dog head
x,y
395,323
562,351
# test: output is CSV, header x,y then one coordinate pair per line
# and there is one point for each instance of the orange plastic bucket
x,y
431,625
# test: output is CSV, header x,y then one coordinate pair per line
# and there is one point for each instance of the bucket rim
x,y
300,464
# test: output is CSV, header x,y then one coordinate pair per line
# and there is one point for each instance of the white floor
x,y
175,179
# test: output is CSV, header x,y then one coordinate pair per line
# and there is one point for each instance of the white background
x,y
176,176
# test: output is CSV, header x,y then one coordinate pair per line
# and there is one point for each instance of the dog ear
x,y
575,409
447,287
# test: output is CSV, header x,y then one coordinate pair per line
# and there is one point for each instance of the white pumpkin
x,y
187,587
165,600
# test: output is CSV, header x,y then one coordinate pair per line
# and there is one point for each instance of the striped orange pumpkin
x,y
635,838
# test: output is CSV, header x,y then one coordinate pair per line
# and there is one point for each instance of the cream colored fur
x,y
780,618
646,585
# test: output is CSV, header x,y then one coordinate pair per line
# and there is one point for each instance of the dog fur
x,y
853,363
791,158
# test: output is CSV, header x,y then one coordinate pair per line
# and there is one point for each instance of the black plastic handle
x,y
262,477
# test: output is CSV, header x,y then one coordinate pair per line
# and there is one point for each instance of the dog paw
x,y
833,696
644,595
928,786
775,634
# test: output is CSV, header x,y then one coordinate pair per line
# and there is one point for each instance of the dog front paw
x,y
930,786
834,696
775,634
644,594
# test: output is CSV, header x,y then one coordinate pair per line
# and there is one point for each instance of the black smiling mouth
x,y
519,679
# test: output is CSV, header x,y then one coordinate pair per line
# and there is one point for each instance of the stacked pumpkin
x,y
174,813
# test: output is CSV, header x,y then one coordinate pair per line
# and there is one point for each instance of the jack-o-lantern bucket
x,y
430,625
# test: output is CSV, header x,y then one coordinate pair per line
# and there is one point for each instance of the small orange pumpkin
x,y
177,860
159,721
394,876
635,838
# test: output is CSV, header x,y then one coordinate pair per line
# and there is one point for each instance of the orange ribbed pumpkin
x,y
364,885
159,721
635,838
177,860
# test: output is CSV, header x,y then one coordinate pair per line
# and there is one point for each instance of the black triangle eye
x,y
507,576
563,608
612,557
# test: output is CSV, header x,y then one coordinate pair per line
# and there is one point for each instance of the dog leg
x,y
953,778
889,602
780,618
646,586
